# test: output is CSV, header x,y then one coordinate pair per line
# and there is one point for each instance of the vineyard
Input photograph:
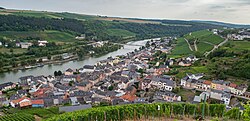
x,y
145,111
17,117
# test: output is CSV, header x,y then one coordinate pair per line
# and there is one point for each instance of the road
x,y
189,45
215,47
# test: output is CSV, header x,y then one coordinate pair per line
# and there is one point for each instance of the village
x,y
123,79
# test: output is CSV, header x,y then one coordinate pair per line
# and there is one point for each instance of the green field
x,y
51,36
205,36
120,32
205,42
194,70
181,48
203,47
238,45
41,112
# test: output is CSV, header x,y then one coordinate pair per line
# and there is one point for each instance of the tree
x,y
49,57
55,73
59,73
110,88
71,83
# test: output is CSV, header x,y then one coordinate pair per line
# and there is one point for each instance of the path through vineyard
x,y
37,118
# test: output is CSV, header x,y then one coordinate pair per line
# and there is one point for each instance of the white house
x,y
42,43
226,98
163,84
25,45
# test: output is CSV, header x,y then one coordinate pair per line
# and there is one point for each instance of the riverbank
x,y
99,51
49,69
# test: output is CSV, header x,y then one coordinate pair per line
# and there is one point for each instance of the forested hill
x,y
98,27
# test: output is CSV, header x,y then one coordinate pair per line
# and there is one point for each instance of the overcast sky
x,y
233,11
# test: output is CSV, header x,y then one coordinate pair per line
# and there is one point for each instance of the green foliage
x,y
41,112
18,117
246,114
233,113
138,111
50,36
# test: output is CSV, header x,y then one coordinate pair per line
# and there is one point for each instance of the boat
x,y
40,65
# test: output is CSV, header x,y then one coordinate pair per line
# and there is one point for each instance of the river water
x,y
49,69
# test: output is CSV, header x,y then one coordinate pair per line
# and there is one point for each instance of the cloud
x,y
221,10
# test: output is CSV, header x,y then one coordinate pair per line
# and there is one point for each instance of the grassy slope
x,y
181,48
51,36
206,40
239,45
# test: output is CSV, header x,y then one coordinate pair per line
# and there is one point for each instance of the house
x,y
163,83
22,92
84,85
74,101
169,62
68,78
129,97
7,86
25,80
25,45
50,78
206,85
21,102
216,94
37,103
203,94
81,37
88,68
167,96
42,43
217,84
195,76
226,97
246,94
185,63
191,58
69,71
241,89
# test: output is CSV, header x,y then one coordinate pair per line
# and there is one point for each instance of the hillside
x,y
100,29
196,42
50,35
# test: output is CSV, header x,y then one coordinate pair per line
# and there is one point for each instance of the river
x,y
46,70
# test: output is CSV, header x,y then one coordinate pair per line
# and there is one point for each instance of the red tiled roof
x,y
233,85
19,100
37,102
129,97
207,82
